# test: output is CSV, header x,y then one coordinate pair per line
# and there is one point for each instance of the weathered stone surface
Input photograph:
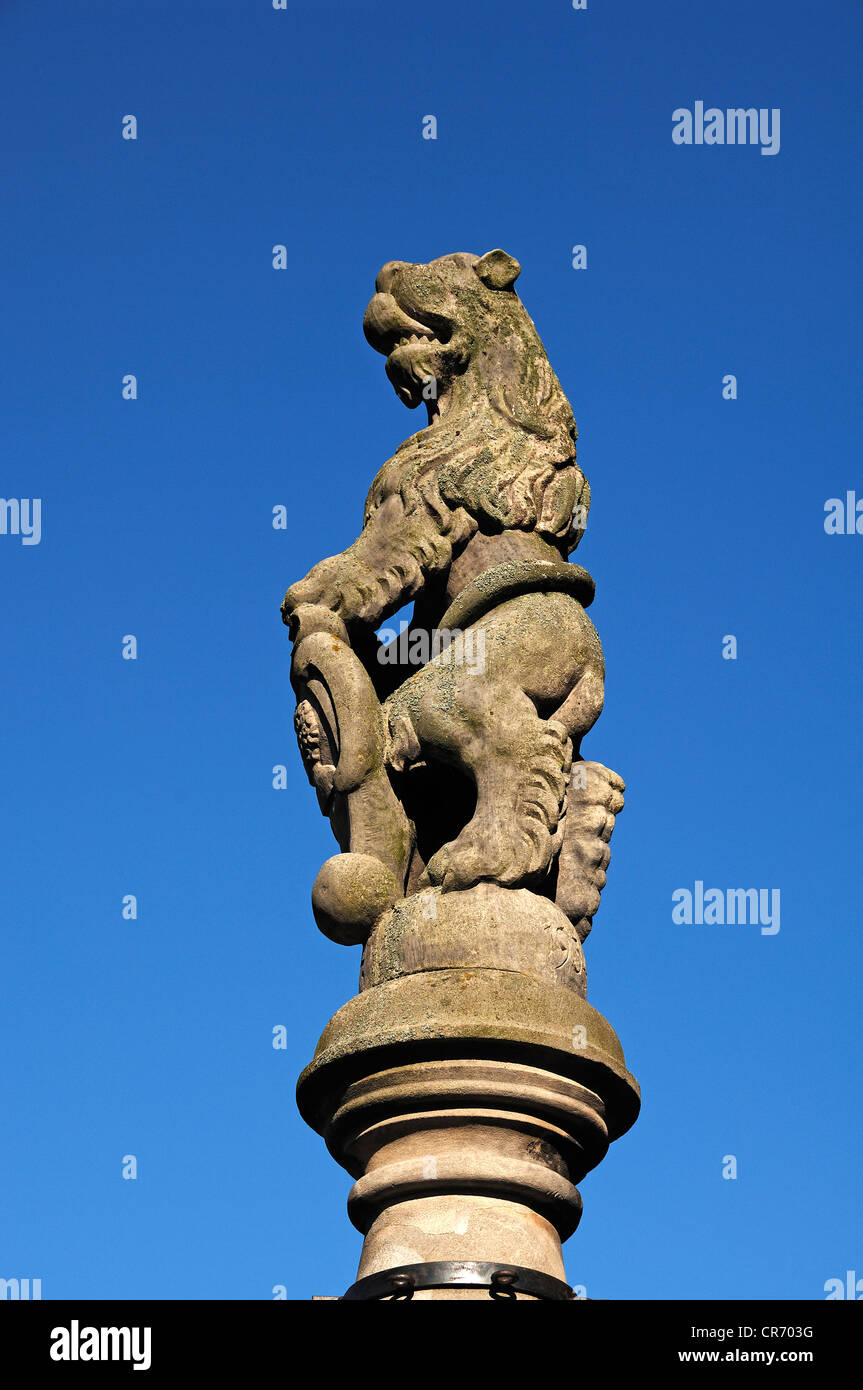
x,y
473,517
484,926
350,894
469,1086
446,1013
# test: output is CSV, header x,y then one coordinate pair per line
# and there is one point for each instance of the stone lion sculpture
x,y
466,770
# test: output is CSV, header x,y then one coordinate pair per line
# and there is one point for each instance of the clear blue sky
x,y
256,388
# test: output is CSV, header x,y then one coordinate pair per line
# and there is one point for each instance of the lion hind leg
x,y
521,769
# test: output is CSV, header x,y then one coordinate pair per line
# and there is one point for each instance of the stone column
x,y
468,1088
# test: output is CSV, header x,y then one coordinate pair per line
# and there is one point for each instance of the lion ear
x,y
497,270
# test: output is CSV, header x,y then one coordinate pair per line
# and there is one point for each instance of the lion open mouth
x,y
389,328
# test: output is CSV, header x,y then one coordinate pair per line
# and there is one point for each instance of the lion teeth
x,y
415,338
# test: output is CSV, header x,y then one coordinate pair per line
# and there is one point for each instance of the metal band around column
x,y
502,1281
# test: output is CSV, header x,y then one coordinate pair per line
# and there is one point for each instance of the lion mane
x,y
499,453
509,457
505,459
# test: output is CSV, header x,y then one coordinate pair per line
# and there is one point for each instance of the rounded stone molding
x,y
484,927
495,1014
519,1182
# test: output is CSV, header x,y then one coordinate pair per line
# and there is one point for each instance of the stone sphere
x,y
349,894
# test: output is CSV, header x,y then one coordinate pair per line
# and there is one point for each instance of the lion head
x,y
501,433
